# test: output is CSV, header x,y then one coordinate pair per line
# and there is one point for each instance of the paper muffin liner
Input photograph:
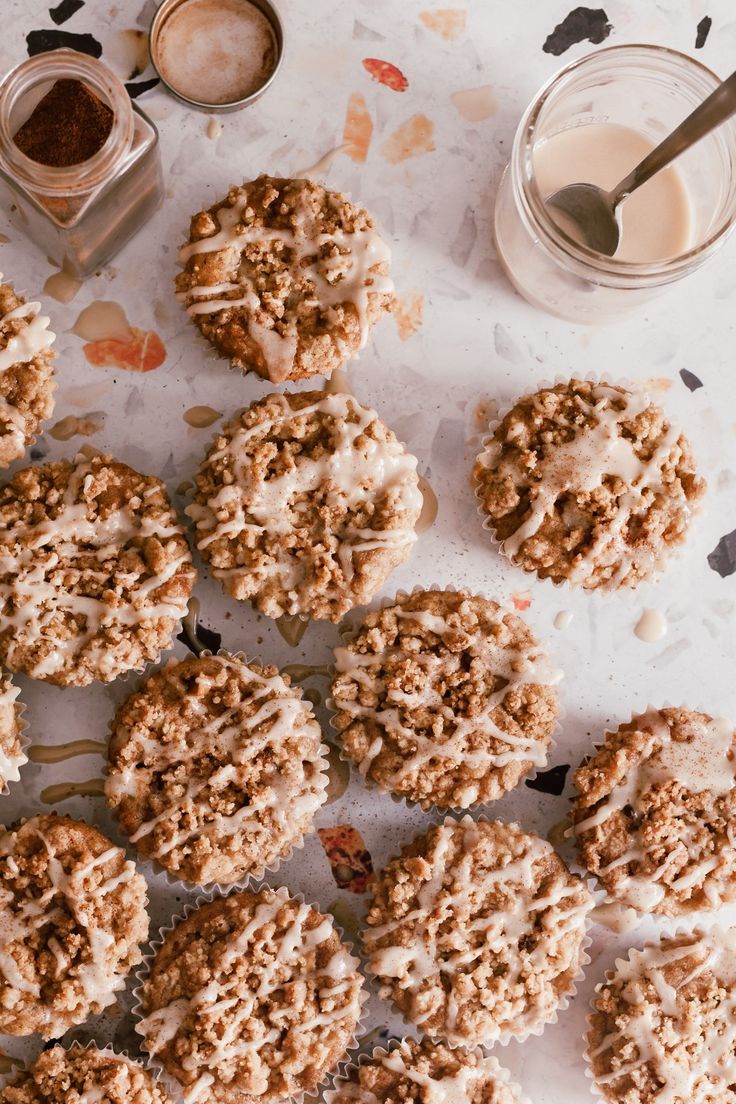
x,y
203,898
606,898
661,561
259,872
23,737
490,1063
679,931
402,799
502,1038
8,1079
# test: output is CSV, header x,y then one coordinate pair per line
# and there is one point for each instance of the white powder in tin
x,y
216,51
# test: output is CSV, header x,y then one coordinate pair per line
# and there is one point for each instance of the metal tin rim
x,y
163,12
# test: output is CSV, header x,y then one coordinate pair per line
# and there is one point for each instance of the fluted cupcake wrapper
x,y
680,931
502,1038
402,799
24,740
260,871
108,1050
661,562
606,898
491,1065
203,898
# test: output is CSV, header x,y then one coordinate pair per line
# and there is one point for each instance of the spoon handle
x,y
719,106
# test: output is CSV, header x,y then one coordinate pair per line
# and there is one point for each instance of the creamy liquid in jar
x,y
656,221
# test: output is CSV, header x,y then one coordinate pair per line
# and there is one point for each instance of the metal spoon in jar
x,y
590,215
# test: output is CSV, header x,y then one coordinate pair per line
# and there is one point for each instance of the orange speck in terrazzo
x,y
521,601
386,73
143,352
358,129
411,139
475,104
408,312
448,23
349,859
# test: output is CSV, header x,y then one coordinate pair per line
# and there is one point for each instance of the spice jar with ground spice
x,y
79,162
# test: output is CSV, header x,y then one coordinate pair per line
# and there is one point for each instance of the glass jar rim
x,y
76,179
587,262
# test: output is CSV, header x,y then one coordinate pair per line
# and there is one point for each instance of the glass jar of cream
x,y
79,213
592,123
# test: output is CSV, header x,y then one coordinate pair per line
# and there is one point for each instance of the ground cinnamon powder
x,y
68,126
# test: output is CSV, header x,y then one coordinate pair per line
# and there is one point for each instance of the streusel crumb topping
x,y
12,756
444,698
26,373
305,503
82,1075
285,278
588,483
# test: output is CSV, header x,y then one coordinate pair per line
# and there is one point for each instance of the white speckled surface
x,y
477,340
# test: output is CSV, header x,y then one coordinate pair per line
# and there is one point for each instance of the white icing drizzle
x,y
95,969
238,1012
429,970
459,1087
32,603
580,466
703,760
351,276
11,756
688,1045
33,339
451,734
354,471
274,806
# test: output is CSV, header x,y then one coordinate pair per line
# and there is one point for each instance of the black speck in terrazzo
x,y
65,10
723,557
39,450
40,42
704,27
550,781
690,380
580,24
137,88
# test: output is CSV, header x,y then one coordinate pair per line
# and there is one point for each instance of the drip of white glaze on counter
x,y
22,916
430,506
562,619
651,626
59,753
581,465
266,804
11,757
357,469
31,603
656,220
461,1087
687,1044
492,930
702,761
453,736
349,277
234,1014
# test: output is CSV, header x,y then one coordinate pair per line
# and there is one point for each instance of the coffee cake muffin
x,y
305,503
424,1071
252,997
476,931
444,698
587,483
663,1027
12,754
82,1075
95,571
285,278
26,373
655,812
216,768
72,914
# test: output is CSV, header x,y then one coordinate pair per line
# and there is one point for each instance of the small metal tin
x,y
164,12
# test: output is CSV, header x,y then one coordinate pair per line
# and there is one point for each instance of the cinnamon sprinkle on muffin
x,y
588,483
285,278
444,698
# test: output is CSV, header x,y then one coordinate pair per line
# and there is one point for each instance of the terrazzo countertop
x,y
423,148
